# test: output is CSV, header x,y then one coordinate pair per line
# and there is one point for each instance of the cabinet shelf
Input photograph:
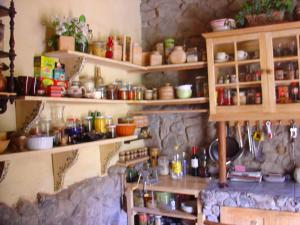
x,y
286,58
225,64
126,65
249,84
134,161
249,61
173,214
286,82
11,155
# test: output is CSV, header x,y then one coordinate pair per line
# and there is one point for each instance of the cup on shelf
x,y
222,56
242,55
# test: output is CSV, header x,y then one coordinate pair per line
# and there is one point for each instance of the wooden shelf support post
x,y
221,129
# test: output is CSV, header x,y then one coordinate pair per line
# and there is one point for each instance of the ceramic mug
x,y
222,56
241,55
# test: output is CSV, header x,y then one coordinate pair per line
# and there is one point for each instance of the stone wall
x,y
94,201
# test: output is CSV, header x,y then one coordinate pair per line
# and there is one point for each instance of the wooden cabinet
x,y
243,216
187,186
253,73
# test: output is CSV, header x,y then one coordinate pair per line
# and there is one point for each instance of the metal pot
x,y
234,150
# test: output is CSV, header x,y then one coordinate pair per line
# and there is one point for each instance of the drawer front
x,y
240,216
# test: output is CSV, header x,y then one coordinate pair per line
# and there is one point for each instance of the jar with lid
x,y
158,220
148,94
156,59
258,98
169,44
192,55
250,97
220,98
130,93
176,167
88,124
70,129
178,55
163,165
154,94
122,157
97,123
100,92
111,130
227,96
99,48
243,99
139,93
294,92
112,92
123,93
138,199
199,84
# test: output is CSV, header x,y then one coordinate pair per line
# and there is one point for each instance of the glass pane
x,y
251,96
286,70
225,75
285,46
248,50
224,52
250,72
225,96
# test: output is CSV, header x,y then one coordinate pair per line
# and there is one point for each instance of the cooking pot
x,y
234,150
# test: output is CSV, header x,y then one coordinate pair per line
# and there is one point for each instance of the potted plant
x,y
262,12
70,33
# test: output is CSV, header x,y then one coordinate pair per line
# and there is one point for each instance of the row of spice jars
x,y
243,77
226,96
133,154
287,94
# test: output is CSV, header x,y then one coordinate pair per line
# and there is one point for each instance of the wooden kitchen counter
x,y
188,185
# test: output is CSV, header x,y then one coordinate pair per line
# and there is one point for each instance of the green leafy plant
x,y
256,7
75,27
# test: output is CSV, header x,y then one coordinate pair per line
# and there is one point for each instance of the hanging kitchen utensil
x,y
258,138
269,129
233,150
293,136
250,141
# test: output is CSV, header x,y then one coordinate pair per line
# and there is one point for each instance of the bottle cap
x,y
194,149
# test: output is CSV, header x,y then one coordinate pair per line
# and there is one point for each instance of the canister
x,y
97,123
111,129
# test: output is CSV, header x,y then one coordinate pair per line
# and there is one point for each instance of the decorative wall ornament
x,y
33,117
3,169
61,162
77,67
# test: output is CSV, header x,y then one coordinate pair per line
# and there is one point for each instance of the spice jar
x,y
154,152
130,94
148,94
232,78
155,94
138,199
243,99
163,165
258,98
99,48
220,98
108,120
227,96
294,92
139,93
88,124
111,130
192,55
97,124
123,93
112,92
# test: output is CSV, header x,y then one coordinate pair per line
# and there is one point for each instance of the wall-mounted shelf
x,y
125,65
173,214
134,161
174,111
9,155
189,101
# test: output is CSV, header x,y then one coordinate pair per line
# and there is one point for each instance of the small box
x,y
44,66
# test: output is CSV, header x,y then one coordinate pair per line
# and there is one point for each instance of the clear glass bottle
x,y
176,166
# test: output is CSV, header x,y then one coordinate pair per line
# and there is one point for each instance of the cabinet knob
x,y
253,222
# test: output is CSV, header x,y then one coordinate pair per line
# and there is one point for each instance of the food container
x,y
155,94
112,92
199,83
178,55
143,219
163,165
39,142
166,92
138,199
123,93
223,24
156,59
169,44
138,93
125,129
154,152
111,130
184,91
149,94
100,92
192,55
99,48
125,120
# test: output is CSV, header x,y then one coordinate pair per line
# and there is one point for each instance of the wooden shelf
x,y
134,161
176,67
249,61
189,101
287,82
4,11
225,64
188,185
150,112
249,84
126,65
173,214
286,58
230,85
96,60
7,94
10,155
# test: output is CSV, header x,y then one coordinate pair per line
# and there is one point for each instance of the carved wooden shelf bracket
x,y
3,170
105,164
33,117
61,162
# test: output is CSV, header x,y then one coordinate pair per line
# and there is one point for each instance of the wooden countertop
x,y
187,185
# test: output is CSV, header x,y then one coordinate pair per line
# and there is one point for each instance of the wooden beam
x,y
221,129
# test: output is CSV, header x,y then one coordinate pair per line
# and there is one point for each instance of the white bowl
x,y
187,208
185,87
39,142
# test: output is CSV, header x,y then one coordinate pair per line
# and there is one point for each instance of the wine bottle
x,y
194,162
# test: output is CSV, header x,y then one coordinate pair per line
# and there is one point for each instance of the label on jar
x,y
176,167
194,163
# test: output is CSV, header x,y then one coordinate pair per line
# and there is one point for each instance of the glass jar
x,y
57,116
108,120
243,99
220,98
123,93
138,199
155,94
139,93
112,92
45,126
148,94
100,92
163,165
88,124
111,130
192,55
258,98
176,167
99,48
199,84
97,123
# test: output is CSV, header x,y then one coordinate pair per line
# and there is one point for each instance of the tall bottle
x,y
203,170
194,162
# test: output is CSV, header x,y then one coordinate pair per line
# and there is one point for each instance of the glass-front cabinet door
x,y
237,80
283,64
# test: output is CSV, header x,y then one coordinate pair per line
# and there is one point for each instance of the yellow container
x,y
103,125
97,124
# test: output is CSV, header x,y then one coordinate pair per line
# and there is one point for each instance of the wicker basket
x,y
265,19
